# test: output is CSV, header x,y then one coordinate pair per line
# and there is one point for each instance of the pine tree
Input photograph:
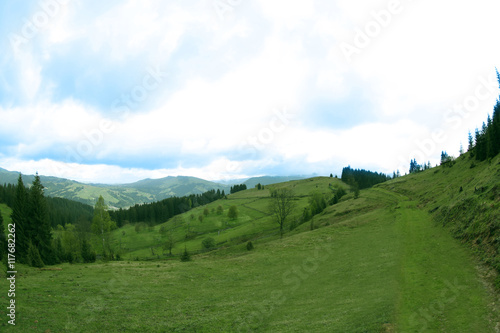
x,y
185,255
19,218
59,254
471,143
87,254
33,257
495,123
39,220
3,240
481,144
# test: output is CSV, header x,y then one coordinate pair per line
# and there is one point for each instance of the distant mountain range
x,y
125,195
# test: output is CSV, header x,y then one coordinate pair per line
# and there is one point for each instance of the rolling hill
x,y
143,191
417,253
117,196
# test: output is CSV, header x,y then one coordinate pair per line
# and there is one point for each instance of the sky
x,y
118,91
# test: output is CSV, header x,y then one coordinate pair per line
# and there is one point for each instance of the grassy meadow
x,y
379,263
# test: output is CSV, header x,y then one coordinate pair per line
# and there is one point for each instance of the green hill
x,y
268,180
117,196
379,263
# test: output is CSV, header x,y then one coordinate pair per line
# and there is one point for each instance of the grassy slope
x,y
5,211
378,263
253,221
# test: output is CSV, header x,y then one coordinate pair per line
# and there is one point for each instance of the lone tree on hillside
x,y
281,206
101,223
168,238
232,213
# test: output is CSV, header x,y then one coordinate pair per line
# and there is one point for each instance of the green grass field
x,y
379,263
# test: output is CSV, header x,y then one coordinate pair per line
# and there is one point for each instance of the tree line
x,y
483,145
486,142
35,217
160,211
237,188
31,219
59,210
362,178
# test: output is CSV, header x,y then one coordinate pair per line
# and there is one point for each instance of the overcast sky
x,y
117,91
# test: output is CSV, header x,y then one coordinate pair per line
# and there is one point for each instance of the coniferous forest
x,y
362,178
486,142
160,211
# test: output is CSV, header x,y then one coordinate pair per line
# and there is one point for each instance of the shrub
x,y
138,227
208,243
249,246
306,215
185,256
232,213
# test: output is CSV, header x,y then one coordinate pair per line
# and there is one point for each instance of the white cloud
x,y
114,174
229,75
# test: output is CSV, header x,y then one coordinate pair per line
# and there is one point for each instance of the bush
x,y
356,192
249,246
185,256
232,213
208,243
306,215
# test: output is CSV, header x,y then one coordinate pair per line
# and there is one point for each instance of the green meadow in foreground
x,y
379,263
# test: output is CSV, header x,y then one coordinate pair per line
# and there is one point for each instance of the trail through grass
x,y
381,266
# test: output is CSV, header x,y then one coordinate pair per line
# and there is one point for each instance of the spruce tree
x,y
39,221
495,129
481,143
87,254
471,143
19,218
3,239
185,255
33,257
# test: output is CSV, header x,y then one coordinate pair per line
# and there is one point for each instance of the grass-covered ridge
x,y
465,199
